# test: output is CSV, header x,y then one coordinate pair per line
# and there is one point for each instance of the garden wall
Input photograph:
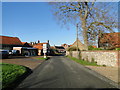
x,y
102,57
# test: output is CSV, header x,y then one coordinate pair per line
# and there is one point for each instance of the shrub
x,y
104,65
92,48
117,48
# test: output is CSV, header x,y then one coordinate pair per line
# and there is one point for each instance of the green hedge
x,y
10,72
92,48
117,48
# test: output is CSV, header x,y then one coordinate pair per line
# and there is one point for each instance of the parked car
x,y
15,52
4,54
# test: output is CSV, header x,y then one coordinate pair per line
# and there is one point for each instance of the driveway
x,y
30,62
61,72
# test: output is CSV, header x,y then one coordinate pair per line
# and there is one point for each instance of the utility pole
x,y
77,35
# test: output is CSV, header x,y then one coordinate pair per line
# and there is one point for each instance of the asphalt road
x,y
61,72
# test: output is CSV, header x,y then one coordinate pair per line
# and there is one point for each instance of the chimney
x,y
48,41
38,41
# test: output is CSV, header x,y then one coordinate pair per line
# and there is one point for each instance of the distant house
x,y
39,46
7,43
26,44
79,44
26,51
15,45
66,46
109,40
60,49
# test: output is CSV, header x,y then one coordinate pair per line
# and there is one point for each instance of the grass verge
x,y
42,58
10,73
83,62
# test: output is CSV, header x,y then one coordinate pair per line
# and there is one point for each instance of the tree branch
x,y
98,24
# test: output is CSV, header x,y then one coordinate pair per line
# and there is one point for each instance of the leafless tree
x,y
93,17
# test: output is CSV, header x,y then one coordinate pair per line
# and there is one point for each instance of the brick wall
x,y
102,57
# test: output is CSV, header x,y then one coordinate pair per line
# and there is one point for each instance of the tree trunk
x,y
85,36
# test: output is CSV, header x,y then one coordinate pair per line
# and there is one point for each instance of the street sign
x,y
44,48
44,51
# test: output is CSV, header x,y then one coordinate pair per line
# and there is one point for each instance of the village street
x,y
61,72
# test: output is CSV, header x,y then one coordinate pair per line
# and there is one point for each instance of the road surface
x,y
61,72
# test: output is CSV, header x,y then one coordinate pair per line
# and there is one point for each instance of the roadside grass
x,y
83,62
9,73
42,58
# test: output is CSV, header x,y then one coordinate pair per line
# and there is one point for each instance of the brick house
x,y
66,45
39,46
7,43
60,49
109,40
14,44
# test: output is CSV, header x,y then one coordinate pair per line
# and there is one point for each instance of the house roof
x,y
39,45
52,47
81,46
59,47
10,40
24,43
111,38
70,45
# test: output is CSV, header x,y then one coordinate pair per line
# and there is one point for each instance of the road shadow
x,y
15,84
16,57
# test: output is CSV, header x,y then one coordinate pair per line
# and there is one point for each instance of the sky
x,y
33,21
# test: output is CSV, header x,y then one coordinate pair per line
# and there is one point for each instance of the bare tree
x,y
93,17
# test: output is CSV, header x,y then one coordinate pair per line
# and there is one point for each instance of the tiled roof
x,y
80,44
38,47
111,38
70,45
41,44
52,47
10,40
24,43
59,47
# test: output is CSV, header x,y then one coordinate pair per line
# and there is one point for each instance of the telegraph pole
x,y
77,35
